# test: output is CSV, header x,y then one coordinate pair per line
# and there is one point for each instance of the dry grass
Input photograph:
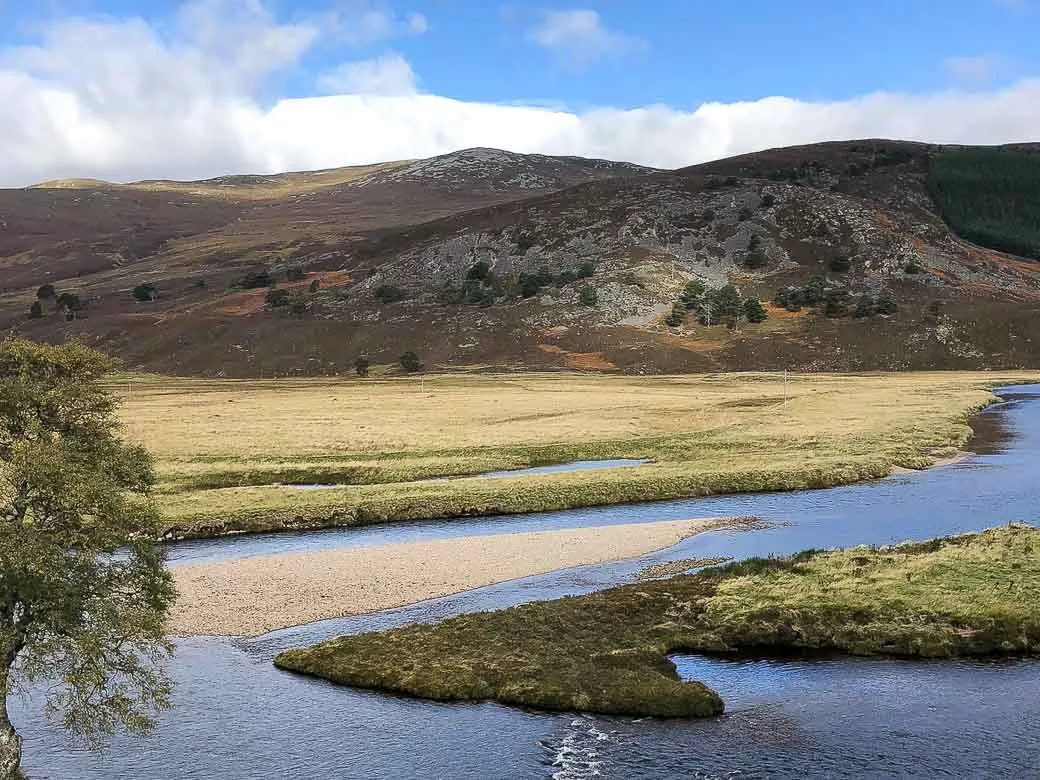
x,y
704,434
271,187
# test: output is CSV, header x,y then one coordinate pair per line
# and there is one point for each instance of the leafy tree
x,y
276,298
46,292
361,366
768,201
677,316
479,271
815,291
145,293
756,256
588,295
836,302
532,283
294,274
840,264
754,311
35,310
886,304
566,277
912,268
388,293
477,292
258,277
865,307
72,613
410,362
727,306
69,303
586,269
693,294
791,298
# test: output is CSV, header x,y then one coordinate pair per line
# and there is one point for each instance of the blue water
x,y
238,717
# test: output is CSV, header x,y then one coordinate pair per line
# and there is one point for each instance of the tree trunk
x,y
10,742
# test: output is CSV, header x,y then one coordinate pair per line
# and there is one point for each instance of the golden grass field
x,y
225,449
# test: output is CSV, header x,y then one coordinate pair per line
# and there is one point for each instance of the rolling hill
x,y
857,253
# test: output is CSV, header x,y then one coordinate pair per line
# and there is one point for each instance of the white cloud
x,y
973,70
578,38
417,24
387,75
363,22
120,101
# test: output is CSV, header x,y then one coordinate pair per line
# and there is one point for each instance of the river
x,y
236,716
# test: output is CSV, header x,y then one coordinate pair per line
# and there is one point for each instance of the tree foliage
x,y
410,362
83,586
990,196
756,256
754,311
388,293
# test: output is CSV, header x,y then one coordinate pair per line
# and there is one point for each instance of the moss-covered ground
x,y
608,652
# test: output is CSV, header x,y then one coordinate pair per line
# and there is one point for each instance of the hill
x,y
482,257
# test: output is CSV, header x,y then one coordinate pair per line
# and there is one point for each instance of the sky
x,y
132,89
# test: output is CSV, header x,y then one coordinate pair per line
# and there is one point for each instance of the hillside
x,y
488,258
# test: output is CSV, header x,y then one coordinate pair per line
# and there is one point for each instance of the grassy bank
x,y
608,652
227,449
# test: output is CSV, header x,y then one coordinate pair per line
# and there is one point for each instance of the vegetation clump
x,y
410,362
388,293
145,293
255,279
608,652
990,196
83,587
276,298
834,300
719,306
756,256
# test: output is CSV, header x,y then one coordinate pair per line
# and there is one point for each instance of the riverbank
x,y
607,652
253,596
234,449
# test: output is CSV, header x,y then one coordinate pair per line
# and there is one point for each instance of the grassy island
x,y
607,652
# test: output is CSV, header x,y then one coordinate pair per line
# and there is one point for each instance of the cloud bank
x,y
123,100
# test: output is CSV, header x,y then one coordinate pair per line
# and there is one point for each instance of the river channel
x,y
236,716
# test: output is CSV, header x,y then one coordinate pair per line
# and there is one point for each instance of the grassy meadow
x,y
227,450
608,652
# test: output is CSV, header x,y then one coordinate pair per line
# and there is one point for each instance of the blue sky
x,y
618,77
680,52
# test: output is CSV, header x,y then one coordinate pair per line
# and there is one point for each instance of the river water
x,y
236,716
